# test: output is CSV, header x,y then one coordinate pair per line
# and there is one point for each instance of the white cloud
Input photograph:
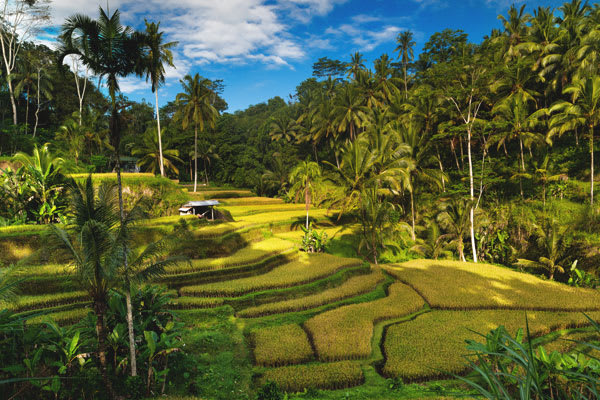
x,y
212,31
131,84
365,37
305,10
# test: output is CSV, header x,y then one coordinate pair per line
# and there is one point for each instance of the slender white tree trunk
x,y
37,110
160,151
12,97
472,193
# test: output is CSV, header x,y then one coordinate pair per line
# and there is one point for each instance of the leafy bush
x,y
270,391
313,241
508,367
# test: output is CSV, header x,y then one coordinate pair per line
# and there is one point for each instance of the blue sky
x,y
265,48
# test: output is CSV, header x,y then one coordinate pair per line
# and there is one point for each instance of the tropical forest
x,y
422,224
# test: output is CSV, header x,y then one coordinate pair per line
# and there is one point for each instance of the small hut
x,y
203,209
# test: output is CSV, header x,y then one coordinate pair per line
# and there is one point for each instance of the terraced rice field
x,y
321,321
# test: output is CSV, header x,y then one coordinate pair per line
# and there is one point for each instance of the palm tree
x,y
385,80
454,218
419,152
356,64
195,108
515,27
25,81
283,126
520,125
207,152
150,152
98,241
552,238
406,54
158,54
95,243
349,112
73,135
375,214
112,51
584,110
303,179
278,176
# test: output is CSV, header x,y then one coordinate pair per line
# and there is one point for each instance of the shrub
x,y
433,344
270,391
313,241
464,286
281,345
507,367
352,287
306,269
345,332
337,375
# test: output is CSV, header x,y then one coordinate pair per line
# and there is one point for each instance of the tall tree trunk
x,y
12,96
27,113
132,356
441,168
307,202
160,151
205,173
592,167
195,158
472,192
412,210
100,311
522,169
115,127
37,110
405,82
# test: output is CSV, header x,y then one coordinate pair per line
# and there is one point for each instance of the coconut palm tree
x,y
95,244
520,125
356,64
283,126
98,241
406,54
195,107
112,51
151,154
304,178
583,110
349,112
454,219
552,238
207,152
157,55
